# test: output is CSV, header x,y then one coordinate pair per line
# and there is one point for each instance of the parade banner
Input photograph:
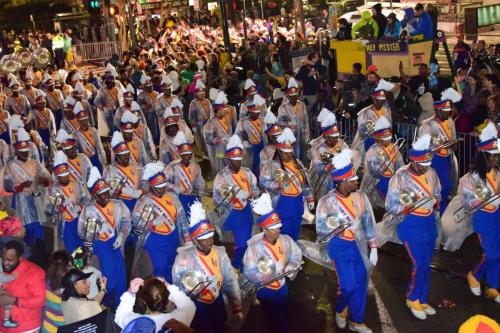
x,y
386,46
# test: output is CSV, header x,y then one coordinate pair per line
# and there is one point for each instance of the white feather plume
x,y
78,76
342,159
382,123
62,135
292,83
263,205
422,143
39,93
258,100
176,103
79,87
323,114
46,77
130,89
199,85
152,169
69,100
328,119
15,122
286,136
451,95
488,133
77,108
197,213
167,113
135,106
145,79
249,83
94,176
22,135
221,98
180,138
213,93
116,139
384,85
129,117
165,79
270,118
60,158
234,141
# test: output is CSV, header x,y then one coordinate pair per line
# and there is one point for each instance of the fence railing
x,y
96,51
466,147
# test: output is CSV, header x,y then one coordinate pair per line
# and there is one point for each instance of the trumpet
x,y
92,228
441,144
409,199
192,280
481,193
337,223
56,200
116,184
248,288
148,214
385,161
228,193
282,176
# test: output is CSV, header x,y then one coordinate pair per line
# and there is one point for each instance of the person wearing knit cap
x,y
75,195
166,230
294,116
417,231
382,160
168,150
272,131
124,169
484,174
69,122
16,103
292,189
42,120
108,99
25,178
283,255
217,131
252,130
54,97
199,112
141,131
88,139
78,163
184,174
368,116
147,100
107,240
331,145
441,127
135,145
28,90
348,250
235,210
212,264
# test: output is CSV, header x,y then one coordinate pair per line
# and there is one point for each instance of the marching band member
x,y
141,130
107,100
168,150
25,177
177,108
221,102
78,163
128,100
126,170
135,145
54,97
200,110
417,230
382,160
332,145
282,252
4,122
75,195
113,226
251,130
60,82
164,100
286,178
441,128
43,120
81,94
184,174
29,91
16,123
272,131
88,139
239,219
16,103
294,116
209,263
147,100
168,227
216,132
349,207
368,116
250,90
485,174
69,122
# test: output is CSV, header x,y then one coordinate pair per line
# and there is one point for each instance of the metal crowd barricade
x,y
96,51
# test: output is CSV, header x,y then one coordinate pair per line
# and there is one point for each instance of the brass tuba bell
x,y
23,55
265,265
407,197
191,280
9,64
481,192
41,57
335,220
280,175
56,199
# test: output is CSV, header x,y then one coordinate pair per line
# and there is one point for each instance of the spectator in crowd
x,y
368,86
380,19
490,83
461,53
157,300
75,304
26,292
403,106
59,264
424,28
58,48
357,77
393,27
344,32
79,260
470,95
419,84
308,75
366,28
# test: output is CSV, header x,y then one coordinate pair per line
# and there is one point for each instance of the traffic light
x,y
94,4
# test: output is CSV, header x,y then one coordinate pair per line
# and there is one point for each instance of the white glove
x,y
373,256
118,242
310,205
131,192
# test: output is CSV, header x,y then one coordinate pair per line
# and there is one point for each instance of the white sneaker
x,y
340,320
416,309
361,328
474,285
429,310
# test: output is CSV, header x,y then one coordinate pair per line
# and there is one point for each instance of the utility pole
x,y
130,18
225,29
